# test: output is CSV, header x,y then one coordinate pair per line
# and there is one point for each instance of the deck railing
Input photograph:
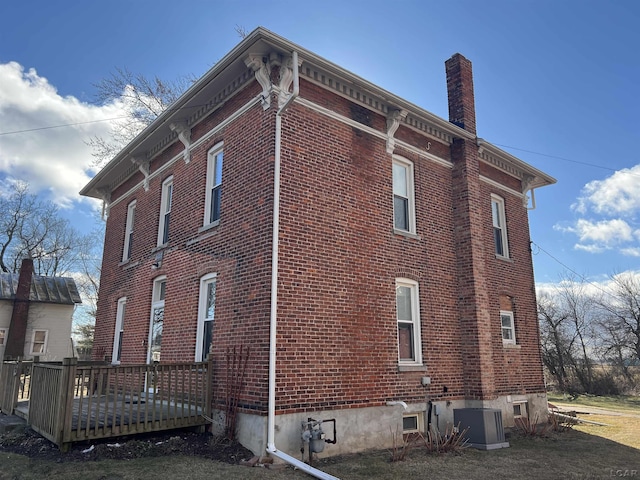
x,y
15,384
71,402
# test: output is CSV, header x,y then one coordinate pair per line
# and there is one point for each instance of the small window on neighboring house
x,y
3,335
39,342
408,318
128,233
119,330
499,226
165,211
508,329
206,316
403,196
214,185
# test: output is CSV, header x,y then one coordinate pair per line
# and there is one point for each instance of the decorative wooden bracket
x,y
262,72
393,122
184,134
143,166
286,79
105,193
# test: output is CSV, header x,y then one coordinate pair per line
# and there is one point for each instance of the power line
x,y
566,267
563,159
62,125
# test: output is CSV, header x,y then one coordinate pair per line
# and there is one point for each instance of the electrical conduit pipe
x,y
273,323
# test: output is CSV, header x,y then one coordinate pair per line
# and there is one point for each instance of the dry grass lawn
x,y
586,452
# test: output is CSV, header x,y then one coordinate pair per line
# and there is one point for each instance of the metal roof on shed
x,y
62,290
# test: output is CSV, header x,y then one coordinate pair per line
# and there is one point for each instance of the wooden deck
x,y
70,403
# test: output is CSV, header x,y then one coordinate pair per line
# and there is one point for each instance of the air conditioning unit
x,y
483,425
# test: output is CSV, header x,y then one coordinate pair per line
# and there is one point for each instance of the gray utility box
x,y
484,427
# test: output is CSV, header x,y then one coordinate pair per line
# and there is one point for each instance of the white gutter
x,y
271,413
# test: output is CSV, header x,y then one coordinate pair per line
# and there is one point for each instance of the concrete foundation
x,y
360,429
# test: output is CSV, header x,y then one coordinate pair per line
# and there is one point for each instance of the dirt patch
x,y
25,441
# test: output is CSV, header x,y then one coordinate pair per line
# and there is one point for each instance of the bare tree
x,y
622,316
142,100
30,227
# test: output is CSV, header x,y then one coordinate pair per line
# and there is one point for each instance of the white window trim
x,y
415,311
119,329
3,337
509,314
211,172
155,303
202,309
419,423
503,226
128,231
33,339
168,182
524,412
411,204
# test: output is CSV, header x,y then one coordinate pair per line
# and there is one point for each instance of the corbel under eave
x,y
286,79
184,134
393,122
143,166
262,73
527,186
105,194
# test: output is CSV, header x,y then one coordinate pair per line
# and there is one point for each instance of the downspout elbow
x,y
398,402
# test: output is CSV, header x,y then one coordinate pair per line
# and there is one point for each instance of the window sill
x,y
412,368
210,232
511,346
209,226
504,259
407,234
160,247
128,264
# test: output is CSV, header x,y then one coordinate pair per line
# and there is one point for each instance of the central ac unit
x,y
483,425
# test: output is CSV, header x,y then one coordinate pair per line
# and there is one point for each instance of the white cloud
x,y
54,161
616,195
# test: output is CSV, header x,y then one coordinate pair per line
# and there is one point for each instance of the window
x,y
157,319
520,410
119,330
206,314
499,226
411,423
3,336
408,317
508,330
128,232
214,185
165,211
39,342
403,198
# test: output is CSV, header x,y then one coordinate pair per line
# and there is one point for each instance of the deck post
x,y
208,397
65,403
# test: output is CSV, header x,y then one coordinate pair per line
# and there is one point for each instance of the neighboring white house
x,y
50,310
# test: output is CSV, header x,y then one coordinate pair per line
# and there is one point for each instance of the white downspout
x,y
273,323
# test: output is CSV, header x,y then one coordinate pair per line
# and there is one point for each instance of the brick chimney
x,y
18,326
462,110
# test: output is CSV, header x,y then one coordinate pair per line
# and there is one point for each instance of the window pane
x,y
495,212
206,339
410,423
401,213
167,206
405,341
162,288
400,180
119,350
218,172
211,300
215,204
403,303
156,333
497,235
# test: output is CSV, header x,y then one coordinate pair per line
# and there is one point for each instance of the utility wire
x,y
62,125
566,267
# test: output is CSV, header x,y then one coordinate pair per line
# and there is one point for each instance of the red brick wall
x,y
339,258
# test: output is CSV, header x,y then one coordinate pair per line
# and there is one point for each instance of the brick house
x,y
398,243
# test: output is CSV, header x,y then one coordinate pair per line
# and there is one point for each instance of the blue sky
x,y
556,85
